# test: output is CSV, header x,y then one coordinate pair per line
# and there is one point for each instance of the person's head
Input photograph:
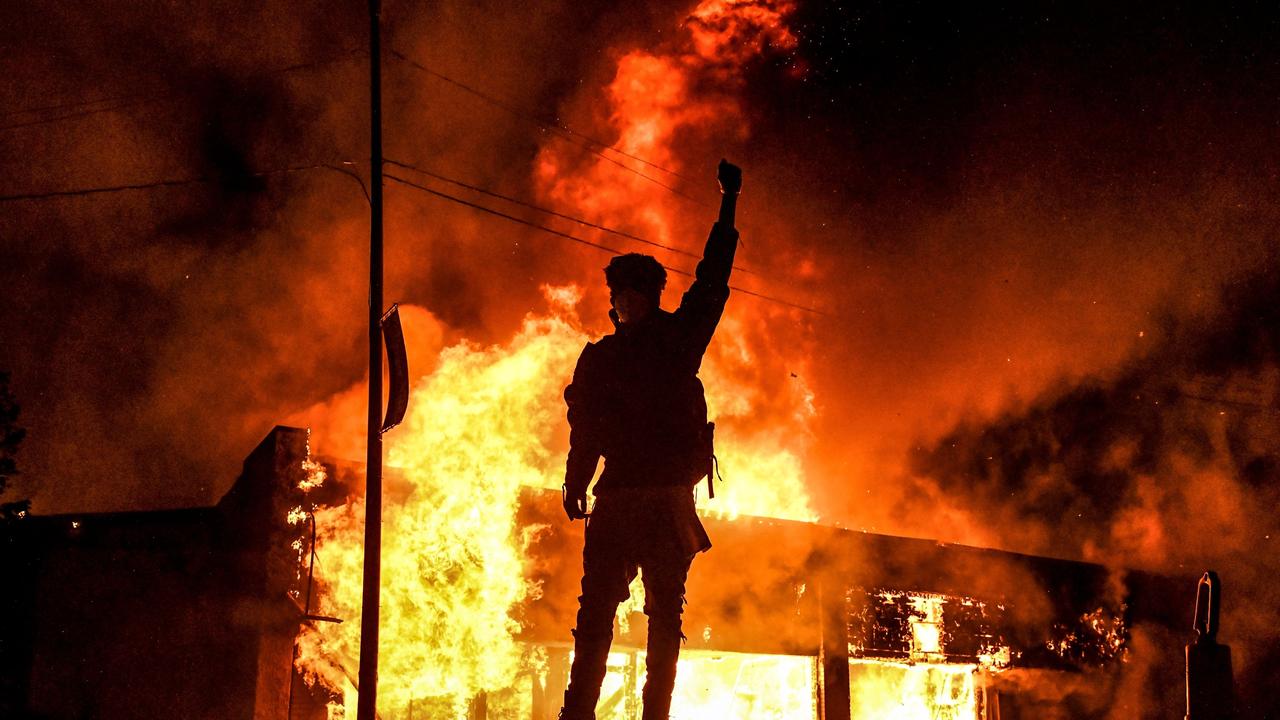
x,y
635,285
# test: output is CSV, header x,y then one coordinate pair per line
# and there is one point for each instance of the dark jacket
x,y
636,399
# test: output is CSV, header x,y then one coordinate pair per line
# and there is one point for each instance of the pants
x,y
629,532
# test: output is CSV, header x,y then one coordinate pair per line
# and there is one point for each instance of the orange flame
x,y
489,420
485,423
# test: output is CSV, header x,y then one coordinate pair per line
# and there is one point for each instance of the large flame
x,y
718,685
895,691
687,87
489,420
485,423
762,407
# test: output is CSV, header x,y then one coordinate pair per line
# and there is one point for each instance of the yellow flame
x,y
731,685
716,685
313,473
486,422
491,419
891,691
480,427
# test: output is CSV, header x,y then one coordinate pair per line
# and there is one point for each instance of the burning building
x,y
220,613
986,304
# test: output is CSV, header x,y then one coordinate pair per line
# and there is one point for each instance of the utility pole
x,y
367,705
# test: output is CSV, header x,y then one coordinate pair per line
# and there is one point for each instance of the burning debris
x,y
917,627
1095,639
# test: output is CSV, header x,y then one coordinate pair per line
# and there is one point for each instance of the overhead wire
x,y
82,113
63,105
124,101
177,182
553,213
512,218
121,102
579,240
559,129
557,123
568,135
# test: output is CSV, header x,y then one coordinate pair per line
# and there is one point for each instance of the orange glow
x,y
488,420
732,685
890,691
717,685
736,30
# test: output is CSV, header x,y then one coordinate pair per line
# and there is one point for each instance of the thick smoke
x,y
1167,464
1015,221
155,336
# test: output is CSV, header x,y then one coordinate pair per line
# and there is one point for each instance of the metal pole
x,y
834,702
366,706
1210,689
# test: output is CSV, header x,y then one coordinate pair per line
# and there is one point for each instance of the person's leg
x,y
663,578
605,577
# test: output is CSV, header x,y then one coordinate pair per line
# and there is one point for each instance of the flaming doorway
x,y
749,686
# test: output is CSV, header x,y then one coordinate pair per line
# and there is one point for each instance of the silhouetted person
x,y
636,401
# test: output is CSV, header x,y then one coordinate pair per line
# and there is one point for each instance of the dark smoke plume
x,y
1169,464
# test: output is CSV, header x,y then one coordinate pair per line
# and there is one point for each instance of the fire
x,y
893,691
485,423
780,687
717,685
732,685
654,97
480,427
737,30
489,420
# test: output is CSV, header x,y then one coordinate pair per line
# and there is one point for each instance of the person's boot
x,y
590,663
660,673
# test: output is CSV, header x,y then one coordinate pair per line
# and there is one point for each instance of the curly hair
x,y
638,272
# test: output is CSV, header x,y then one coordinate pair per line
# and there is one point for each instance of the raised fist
x,y
730,177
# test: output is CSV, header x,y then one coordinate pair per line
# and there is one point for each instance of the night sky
x,y
1017,221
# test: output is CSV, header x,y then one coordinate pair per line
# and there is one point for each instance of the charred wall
x,y
1054,634
186,613
167,614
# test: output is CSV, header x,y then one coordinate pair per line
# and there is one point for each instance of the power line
x,y
82,113
178,182
121,102
64,105
81,192
107,189
557,124
513,218
567,137
582,241
570,218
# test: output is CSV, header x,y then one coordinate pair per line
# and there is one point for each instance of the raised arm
x,y
703,303
730,177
